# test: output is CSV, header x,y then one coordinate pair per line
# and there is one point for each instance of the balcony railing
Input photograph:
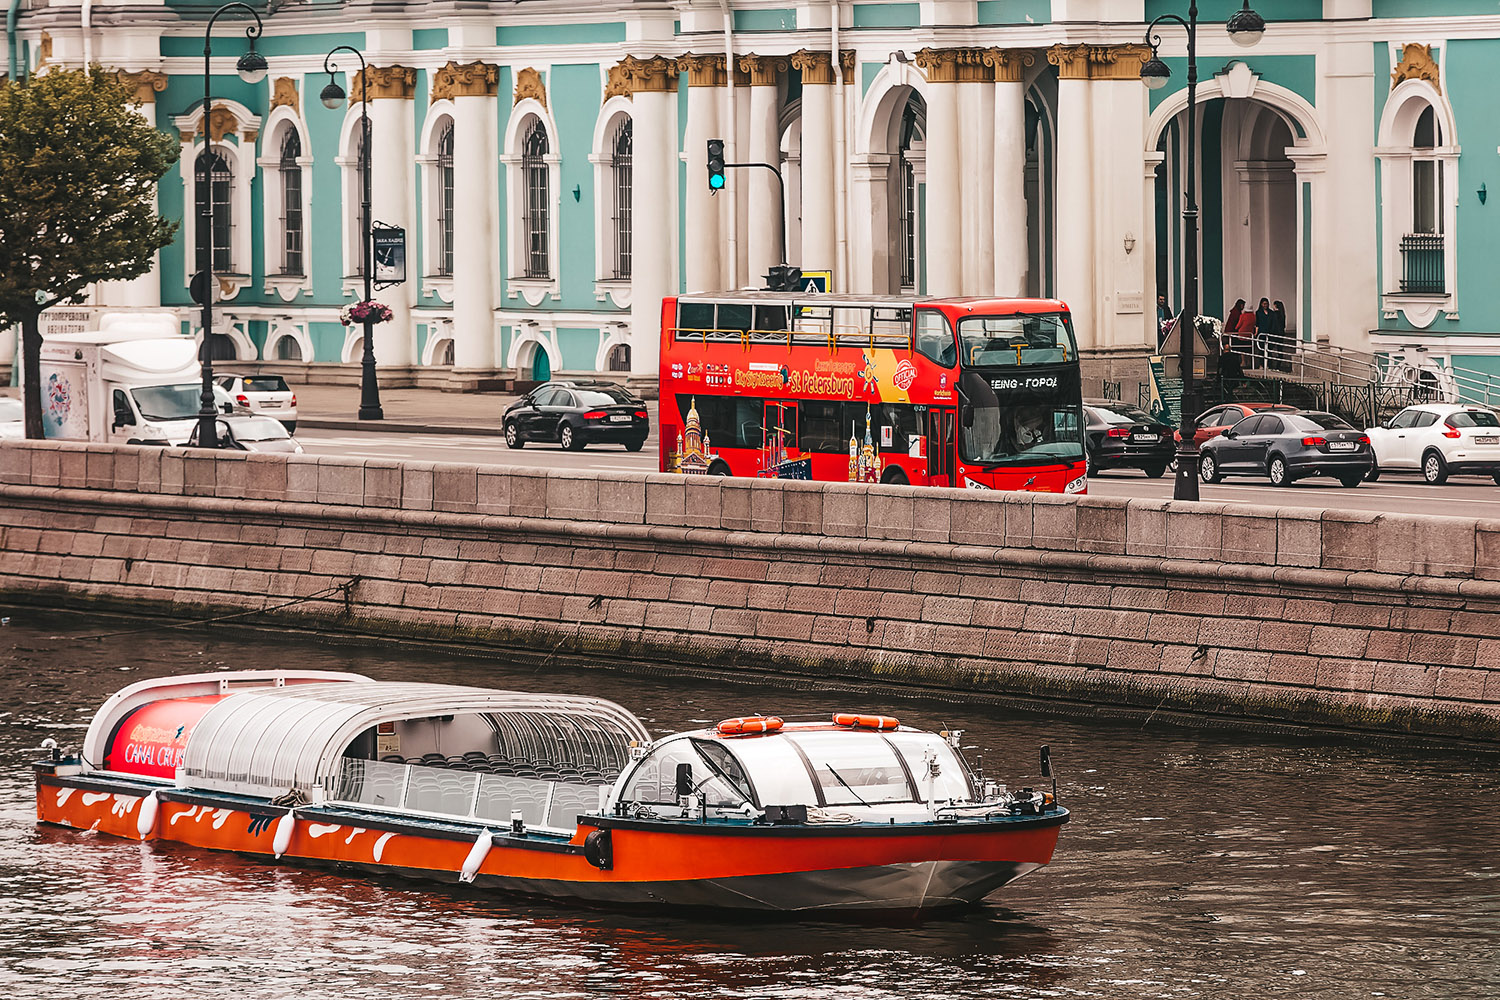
x,y
1422,264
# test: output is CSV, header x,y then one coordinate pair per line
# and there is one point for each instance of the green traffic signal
x,y
716,164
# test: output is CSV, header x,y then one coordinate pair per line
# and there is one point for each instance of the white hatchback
x,y
12,419
266,395
1439,440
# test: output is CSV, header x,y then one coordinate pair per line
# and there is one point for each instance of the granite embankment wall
x,y
1347,618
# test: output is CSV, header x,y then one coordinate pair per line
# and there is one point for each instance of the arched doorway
x,y
541,364
889,184
1250,240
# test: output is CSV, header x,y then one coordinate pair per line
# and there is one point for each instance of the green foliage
x,y
78,170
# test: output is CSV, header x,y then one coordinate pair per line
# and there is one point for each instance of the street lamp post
x,y
1245,27
252,69
332,97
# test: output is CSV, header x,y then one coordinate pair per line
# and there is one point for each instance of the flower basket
x,y
368,310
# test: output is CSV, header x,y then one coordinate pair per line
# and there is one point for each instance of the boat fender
x,y
145,820
283,839
599,850
476,856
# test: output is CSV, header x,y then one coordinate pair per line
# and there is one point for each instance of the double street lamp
x,y
333,96
1245,27
252,69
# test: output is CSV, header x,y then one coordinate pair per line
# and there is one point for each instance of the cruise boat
x,y
549,795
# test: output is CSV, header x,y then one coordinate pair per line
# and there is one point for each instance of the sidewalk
x,y
407,411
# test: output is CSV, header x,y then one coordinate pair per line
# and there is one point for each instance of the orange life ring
x,y
865,721
749,724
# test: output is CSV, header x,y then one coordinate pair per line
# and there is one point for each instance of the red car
x,y
1219,419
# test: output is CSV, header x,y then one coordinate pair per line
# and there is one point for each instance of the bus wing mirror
x,y
967,412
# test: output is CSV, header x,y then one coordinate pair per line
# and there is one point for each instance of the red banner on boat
x,y
153,738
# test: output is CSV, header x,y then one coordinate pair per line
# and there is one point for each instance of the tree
x,y
78,168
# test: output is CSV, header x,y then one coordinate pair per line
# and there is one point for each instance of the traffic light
x,y
715,165
784,278
792,280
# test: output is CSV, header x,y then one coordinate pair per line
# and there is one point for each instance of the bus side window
x,y
693,318
734,316
935,338
902,419
770,318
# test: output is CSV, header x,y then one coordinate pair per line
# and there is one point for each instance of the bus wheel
x,y
719,468
895,477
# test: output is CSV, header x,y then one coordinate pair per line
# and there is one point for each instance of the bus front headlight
x,y
1078,485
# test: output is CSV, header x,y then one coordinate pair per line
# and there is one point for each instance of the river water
x,y
1199,863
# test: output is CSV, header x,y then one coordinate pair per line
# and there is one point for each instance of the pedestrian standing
x,y
1265,321
1283,346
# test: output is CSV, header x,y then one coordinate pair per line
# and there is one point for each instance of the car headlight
x,y
152,434
1078,485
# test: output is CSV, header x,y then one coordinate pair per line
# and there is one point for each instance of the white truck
x,y
136,380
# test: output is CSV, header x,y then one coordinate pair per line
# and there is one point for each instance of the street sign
x,y
816,281
390,254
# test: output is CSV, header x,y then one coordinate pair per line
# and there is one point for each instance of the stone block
x,y
1289,637
666,499
1461,684
1407,679
621,500
382,483
1103,524
198,479
1487,549
1351,539
767,509
1327,640
416,486
15,463
455,488
72,467
1292,669
1443,650
265,477
171,471
99,467
1020,524
302,479
933,512
734,504
1299,537
572,496
1194,533
231,474
978,520
1441,546
948,610
802,508
1054,523
891,510
1250,535
46,465
846,510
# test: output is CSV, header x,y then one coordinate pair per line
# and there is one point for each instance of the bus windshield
x,y
1016,340
1011,420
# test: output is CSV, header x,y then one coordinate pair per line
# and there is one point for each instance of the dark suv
x,y
575,414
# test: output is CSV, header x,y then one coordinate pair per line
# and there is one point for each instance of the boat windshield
x,y
869,768
715,771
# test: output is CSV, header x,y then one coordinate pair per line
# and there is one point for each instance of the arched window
x,y
618,359
291,203
620,170
906,194
1426,175
445,200
287,349
215,180
535,216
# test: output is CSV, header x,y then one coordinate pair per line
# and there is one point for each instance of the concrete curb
x,y
397,427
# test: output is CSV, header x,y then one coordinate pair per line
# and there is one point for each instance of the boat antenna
x,y
1047,770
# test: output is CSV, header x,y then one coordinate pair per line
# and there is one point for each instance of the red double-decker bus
x,y
979,393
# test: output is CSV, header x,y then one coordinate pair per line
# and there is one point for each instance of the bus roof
x,y
967,304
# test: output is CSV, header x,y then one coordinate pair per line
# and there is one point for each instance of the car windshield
x,y
1316,422
10,409
1016,340
266,383
259,429
1120,413
1463,418
169,402
603,397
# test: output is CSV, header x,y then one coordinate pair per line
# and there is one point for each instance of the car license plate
x,y
619,418
1341,445
1487,439
1145,437
271,404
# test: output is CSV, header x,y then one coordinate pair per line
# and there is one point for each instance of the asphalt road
x,y
1464,496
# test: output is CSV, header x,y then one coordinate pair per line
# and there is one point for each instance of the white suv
x,y
266,395
1439,440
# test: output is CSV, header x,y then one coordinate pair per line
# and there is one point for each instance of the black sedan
x,y
575,414
1121,436
1287,447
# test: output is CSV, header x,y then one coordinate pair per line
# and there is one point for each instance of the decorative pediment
x,y
284,93
1417,64
529,85
228,118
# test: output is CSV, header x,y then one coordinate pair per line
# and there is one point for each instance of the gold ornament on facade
x,y
143,86
656,75
1417,64
816,65
1099,62
43,50
474,79
939,65
1010,65
529,85
385,83
702,71
617,83
763,71
221,122
284,93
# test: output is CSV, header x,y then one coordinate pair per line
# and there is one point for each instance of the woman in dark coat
x,y
1232,326
1265,321
1281,348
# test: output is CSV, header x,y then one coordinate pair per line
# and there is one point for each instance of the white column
x,y
819,241
742,191
704,209
871,228
473,235
653,267
1075,192
393,136
143,290
976,101
1011,246
1344,286
944,198
764,145
1124,319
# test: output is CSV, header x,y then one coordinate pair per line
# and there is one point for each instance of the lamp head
x,y
1155,74
251,66
332,96
1245,26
